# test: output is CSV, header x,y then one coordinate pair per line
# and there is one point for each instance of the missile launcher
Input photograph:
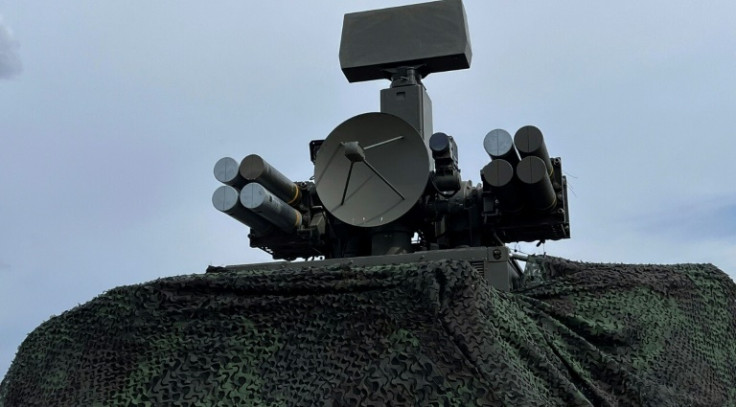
x,y
388,189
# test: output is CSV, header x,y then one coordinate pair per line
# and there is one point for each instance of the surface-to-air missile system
x,y
387,188
413,298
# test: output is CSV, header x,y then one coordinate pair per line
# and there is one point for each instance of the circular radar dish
x,y
371,169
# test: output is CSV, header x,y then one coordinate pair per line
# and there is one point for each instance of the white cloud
x,y
10,64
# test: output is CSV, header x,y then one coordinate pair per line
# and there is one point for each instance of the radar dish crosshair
x,y
372,169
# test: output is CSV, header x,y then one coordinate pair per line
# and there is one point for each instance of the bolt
x,y
497,254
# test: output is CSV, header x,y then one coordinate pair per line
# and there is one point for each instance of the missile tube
x,y
500,145
226,199
499,175
530,142
227,171
256,198
253,168
532,172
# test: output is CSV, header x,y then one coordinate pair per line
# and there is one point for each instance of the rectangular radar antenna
x,y
405,44
429,37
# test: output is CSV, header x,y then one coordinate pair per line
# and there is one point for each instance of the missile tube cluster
x,y
257,195
520,173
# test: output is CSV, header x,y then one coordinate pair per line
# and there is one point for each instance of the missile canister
x,y
227,171
500,145
530,142
532,172
226,199
260,200
253,168
499,175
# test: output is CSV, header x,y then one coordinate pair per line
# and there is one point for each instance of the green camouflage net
x,y
435,333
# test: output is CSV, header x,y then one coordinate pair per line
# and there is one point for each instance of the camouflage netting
x,y
430,334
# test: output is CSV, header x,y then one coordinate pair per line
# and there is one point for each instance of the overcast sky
x,y
112,115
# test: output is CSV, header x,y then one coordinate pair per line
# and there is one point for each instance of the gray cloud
x,y
10,64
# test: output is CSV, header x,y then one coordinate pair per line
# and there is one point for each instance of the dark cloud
x,y
10,64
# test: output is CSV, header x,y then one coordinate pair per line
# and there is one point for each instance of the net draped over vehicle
x,y
433,333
